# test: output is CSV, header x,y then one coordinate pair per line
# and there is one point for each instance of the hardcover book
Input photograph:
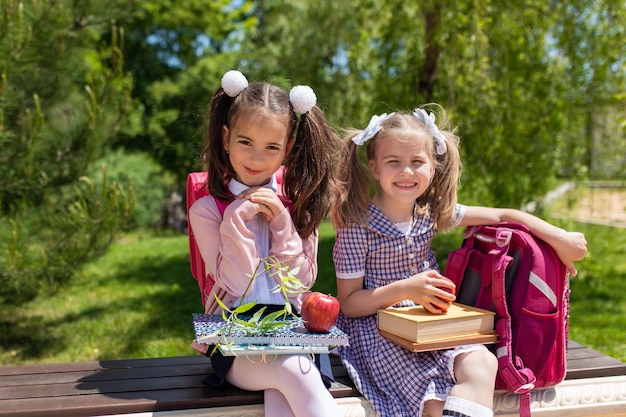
x,y
211,329
416,324
439,344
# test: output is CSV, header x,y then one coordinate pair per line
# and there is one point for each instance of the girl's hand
x,y
570,246
265,200
425,289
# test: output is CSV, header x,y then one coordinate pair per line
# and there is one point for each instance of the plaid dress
x,y
396,381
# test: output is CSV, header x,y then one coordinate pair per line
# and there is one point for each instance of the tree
x,y
178,50
590,41
519,80
63,96
512,77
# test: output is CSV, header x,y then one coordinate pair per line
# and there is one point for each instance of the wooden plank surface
x,y
125,386
144,385
583,362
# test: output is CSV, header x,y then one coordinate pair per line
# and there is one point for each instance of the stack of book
x,y
416,329
292,338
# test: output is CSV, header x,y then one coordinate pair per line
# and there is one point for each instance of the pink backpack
x,y
505,269
197,188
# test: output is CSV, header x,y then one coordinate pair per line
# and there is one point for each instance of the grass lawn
x,y
598,298
137,301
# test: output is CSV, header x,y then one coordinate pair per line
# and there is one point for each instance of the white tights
x,y
291,383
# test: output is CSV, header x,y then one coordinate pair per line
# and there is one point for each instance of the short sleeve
x,y
459,214
350,252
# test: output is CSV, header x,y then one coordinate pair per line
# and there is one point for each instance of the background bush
x,y
150,181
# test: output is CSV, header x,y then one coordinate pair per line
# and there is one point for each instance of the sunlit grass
x,y
598,297
136,301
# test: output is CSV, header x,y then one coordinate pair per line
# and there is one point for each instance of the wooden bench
x,y
595,385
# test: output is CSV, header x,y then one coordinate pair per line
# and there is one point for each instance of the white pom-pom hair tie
x,y
233,83
302,98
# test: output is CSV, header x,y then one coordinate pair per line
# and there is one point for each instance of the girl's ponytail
x,y
309,178
351,204
214,155
441,196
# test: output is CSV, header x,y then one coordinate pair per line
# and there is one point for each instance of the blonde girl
x,y
383,257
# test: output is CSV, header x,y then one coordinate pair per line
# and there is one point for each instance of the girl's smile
x,y
253,171
406,185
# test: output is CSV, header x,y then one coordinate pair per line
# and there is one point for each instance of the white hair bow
x,y
429,120
372,128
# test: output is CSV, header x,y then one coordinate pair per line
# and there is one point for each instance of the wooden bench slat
x,y
100,365
583,362
116,400
111,387
128,402
174,383
104,374
595,367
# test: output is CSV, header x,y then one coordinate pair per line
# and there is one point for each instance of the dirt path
x,y
597,205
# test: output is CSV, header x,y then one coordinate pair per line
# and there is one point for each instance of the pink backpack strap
x,y
221,205
196,189
511,369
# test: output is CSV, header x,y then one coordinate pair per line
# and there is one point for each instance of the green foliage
x,y
63,95
47,245
178,51
518,80
148,179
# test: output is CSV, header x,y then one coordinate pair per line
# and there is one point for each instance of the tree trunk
x,y
431,53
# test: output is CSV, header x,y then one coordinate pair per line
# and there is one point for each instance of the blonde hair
x,y
440,198
309,178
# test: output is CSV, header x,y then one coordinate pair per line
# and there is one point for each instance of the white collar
x,y
237,187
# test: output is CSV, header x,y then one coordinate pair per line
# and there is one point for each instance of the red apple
x,y
450,290
319,312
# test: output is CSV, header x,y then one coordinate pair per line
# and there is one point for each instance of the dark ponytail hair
x,y
214,156
309,179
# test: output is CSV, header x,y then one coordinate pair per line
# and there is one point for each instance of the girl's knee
x,y
297,370
488,361
480,366
433,408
